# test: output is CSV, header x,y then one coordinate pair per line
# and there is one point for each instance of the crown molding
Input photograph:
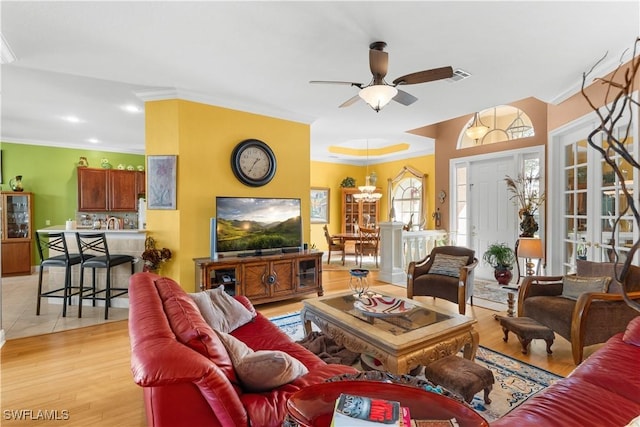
x,y
163,94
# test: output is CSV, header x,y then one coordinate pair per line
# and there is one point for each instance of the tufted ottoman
x,y
526,329
461,376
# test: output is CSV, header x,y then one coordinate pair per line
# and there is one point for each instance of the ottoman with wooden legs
x,y
461,376
526,329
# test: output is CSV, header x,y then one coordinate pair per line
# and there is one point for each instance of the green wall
x,y
50,174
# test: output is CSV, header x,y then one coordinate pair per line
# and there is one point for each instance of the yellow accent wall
x,y
203,137
331,175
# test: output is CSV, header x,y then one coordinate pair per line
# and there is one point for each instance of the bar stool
x,y
97,242
56,242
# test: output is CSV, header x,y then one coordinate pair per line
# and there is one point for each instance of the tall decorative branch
x,y
617,113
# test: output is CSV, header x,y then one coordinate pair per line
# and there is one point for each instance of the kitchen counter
x,y
62,229
126,242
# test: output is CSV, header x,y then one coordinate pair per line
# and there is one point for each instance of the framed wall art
x,y
319,205
161,182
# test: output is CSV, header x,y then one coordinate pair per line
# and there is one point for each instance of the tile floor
x,y
19,298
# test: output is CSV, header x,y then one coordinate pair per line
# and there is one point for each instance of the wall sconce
x,y
442,196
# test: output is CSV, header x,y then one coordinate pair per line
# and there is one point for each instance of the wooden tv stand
x,y
263,279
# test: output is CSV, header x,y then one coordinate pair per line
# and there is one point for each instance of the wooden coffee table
x,y
402,342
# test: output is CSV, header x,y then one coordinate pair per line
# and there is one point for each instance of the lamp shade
x,y
530,248
377,96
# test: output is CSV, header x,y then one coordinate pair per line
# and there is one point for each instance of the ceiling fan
x,y
378,92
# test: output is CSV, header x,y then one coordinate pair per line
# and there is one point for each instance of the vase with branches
x,y
614,139
526,194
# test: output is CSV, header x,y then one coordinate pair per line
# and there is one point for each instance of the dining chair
x,y
335,244
368,243
48,245
96,243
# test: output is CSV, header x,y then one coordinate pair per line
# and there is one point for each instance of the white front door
x,y
493,216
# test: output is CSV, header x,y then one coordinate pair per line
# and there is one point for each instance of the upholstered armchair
x,y
447,272
593,317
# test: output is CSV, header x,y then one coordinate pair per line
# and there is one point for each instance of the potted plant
x,y
502,258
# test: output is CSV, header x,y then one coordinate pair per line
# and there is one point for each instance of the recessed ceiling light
x,y
93,140
130,108
72,119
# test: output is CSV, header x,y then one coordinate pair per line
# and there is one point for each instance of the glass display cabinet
x,y
17,233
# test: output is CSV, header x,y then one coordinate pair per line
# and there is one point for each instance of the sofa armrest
x,y
165,362
538,286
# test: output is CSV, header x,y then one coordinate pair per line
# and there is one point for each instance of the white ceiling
x,y
89,59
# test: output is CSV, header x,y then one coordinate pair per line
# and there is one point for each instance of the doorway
x,y
482,211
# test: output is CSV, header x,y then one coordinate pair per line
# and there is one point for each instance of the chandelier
x,y
477,129
367,192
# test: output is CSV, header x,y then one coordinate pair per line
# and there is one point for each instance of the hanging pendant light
x,y
476,129
367,192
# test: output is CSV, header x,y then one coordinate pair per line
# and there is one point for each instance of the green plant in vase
x,y
502,258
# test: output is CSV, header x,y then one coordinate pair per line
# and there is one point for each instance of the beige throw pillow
x,y
574,286
220,310
448,265
261,370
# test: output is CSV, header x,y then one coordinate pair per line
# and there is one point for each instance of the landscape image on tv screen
x,y
253,224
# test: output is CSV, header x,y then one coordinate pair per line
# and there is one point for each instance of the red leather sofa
x,y
604,390
183,387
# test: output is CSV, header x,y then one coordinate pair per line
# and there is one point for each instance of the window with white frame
x,y
407,200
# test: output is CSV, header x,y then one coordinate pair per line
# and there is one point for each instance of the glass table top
x,y
415,317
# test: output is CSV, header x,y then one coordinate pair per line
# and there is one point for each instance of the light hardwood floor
x,y
86,371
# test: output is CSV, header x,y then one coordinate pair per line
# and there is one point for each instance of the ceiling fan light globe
x,y
377,96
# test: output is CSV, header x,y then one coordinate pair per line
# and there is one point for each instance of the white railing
x,y
398,248
418,244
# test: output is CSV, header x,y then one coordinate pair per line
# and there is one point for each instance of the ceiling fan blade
x,y
404,98
333,82
379,64
350,101
425,76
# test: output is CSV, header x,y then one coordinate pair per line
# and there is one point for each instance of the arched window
x,y
407,193
407,200
501,123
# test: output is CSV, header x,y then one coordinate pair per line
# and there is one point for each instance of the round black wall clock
x,y
253,162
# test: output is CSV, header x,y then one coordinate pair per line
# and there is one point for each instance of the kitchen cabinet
x,y
363,213
140,184
17,229
263,278
102,190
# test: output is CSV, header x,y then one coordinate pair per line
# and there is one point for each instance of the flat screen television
x,y
249,226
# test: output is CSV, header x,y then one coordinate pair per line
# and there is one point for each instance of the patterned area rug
x,y
515,381
490,295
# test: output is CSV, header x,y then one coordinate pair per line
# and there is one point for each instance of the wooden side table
x,y
313,405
